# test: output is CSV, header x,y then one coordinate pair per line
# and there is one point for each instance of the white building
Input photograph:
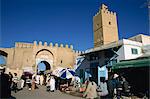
x,y
95,60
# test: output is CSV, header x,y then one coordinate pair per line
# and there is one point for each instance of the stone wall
x,y
25,55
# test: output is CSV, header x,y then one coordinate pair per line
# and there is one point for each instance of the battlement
x,y
79,52
23,45
36,44
104,9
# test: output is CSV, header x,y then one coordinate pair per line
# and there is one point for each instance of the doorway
x,y
43,67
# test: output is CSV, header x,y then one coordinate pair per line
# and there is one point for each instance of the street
x,y
41,93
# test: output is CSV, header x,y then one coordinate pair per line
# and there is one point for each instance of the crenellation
x,y
82,52
104,9
51,44
76,51
71,46
114,13
35,43
61,45
97,13
56,44
66,46
40,43
108,12
45,43
79,52
111,13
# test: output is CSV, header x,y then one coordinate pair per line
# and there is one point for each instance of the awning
x,y
145,62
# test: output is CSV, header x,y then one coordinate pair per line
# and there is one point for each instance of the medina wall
x,y
30,54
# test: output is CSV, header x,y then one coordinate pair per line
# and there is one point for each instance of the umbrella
x,y
67,73
57,71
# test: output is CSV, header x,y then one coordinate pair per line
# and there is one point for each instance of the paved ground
x,y
42,94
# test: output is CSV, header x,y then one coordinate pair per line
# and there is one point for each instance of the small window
x,y
134,51
109,23
97,25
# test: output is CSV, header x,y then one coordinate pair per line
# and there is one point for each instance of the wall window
x,y
109,23
134,51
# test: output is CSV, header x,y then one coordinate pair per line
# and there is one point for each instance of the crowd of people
x,y
115,86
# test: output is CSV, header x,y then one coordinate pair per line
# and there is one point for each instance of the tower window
x,y
109,23
97,25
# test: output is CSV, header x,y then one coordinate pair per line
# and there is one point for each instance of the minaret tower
x,y
105,27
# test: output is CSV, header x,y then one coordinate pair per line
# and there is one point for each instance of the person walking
x,y
103,87
10,78
126,87
91,92
28,81
23,80
41,79
112,85
33,83
15,81
38,79
48,85
52,84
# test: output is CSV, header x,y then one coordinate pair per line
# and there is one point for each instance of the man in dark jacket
x,y
5,91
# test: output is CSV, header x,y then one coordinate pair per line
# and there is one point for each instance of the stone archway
x,y
46,57
3,57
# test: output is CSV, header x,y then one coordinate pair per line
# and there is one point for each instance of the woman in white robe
x,y
41,80
52,84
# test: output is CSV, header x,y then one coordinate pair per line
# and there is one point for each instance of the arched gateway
x,y
46,57
3,58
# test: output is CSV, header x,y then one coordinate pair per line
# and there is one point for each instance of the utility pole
x,y
148,4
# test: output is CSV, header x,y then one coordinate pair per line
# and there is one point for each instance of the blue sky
x,y
41,67
66,21
2,60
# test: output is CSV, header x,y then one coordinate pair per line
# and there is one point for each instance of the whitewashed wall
x,y
125,51
128,52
